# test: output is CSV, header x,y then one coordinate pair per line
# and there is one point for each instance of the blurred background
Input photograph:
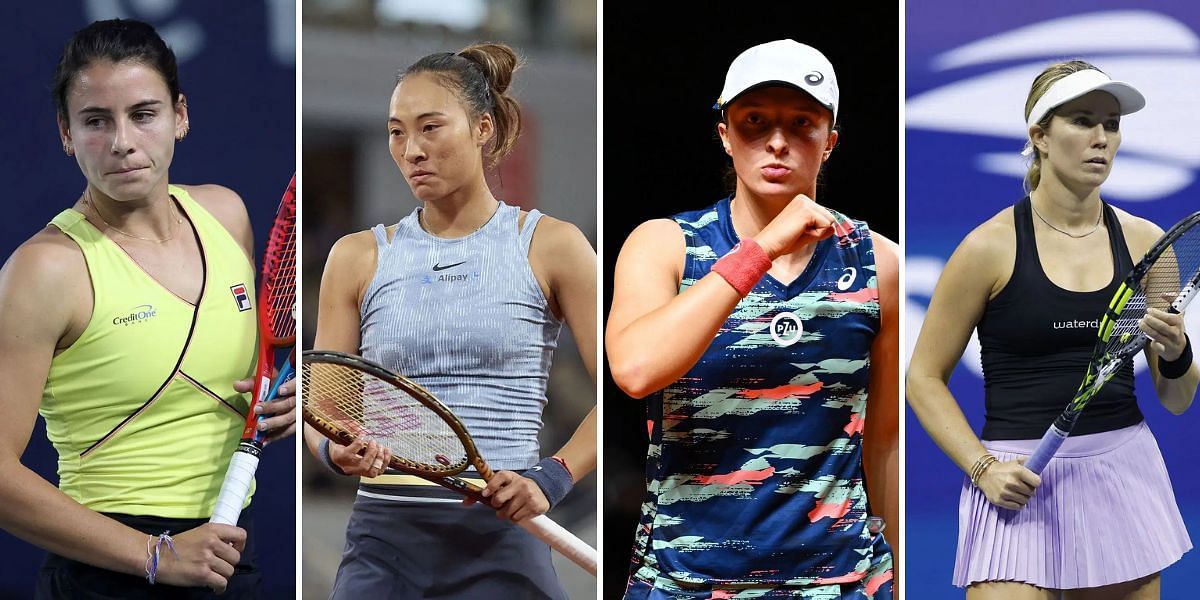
x,y
352,50
967,72
662,156
237,69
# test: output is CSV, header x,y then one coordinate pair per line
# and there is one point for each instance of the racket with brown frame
x,y
346,397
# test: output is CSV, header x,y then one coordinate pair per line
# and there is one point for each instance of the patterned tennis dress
x,y
755,483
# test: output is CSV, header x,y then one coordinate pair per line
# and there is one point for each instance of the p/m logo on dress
x,y
241,296
786,329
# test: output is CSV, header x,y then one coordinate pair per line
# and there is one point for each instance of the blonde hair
x,y
1041,84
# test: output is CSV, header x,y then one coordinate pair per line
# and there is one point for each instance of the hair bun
x,y
497,61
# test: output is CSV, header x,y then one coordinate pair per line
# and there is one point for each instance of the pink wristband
x,y
745,264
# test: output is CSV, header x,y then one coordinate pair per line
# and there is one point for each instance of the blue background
x,y
239,78
948,193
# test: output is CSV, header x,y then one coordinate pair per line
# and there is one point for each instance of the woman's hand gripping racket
x,y
276,332
1170,269
347,397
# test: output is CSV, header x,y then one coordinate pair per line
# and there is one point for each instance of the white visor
x,y
1082,82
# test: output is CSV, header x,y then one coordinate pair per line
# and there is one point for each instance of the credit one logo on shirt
x,y
786,329
1093,324
241,296
138,314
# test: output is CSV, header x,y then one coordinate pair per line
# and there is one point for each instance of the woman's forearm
x,y
943,419
657,348
580,451
41,514
1177,394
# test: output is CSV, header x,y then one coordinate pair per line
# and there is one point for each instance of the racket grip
x,y
237,484
565,542
1045,449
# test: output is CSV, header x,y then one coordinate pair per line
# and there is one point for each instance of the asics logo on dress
x,y
137,314
847,279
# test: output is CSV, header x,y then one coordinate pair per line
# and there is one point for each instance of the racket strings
x,y
280,270
362,405
283,292
1173,273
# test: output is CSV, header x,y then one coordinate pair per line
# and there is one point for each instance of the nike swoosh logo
x,y
437,267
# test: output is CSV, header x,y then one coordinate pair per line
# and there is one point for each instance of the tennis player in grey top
x,y
466,296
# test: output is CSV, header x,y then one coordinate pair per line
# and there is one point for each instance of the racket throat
x,y
250,446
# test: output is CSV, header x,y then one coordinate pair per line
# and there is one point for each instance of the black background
x,y
664,66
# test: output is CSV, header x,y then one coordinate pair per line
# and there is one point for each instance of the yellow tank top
x,y
141,408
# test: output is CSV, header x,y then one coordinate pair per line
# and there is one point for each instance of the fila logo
x,y
786,329
847,279
241,296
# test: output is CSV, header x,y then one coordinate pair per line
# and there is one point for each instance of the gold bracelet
x,y
979,462
981,466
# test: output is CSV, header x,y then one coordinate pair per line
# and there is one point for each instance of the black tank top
x,y
1037,339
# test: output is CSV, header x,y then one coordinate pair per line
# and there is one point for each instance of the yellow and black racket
x,y
1171,269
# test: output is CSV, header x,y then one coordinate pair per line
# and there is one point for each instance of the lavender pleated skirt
x,y
1104,513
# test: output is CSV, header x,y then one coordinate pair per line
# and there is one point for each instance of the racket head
x,y
1165,279
277,283
347,397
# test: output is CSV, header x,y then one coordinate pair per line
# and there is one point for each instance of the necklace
x,y
91,204
1067,233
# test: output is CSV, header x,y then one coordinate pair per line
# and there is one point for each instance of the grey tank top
x,y
467,319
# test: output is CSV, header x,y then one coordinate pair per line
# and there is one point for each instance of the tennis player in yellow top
x,y
126,322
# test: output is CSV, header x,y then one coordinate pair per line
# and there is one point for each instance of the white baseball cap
x,y
1083,82
785,62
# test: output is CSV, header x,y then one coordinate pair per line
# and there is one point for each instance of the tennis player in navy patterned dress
x,y
466,296
781,318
